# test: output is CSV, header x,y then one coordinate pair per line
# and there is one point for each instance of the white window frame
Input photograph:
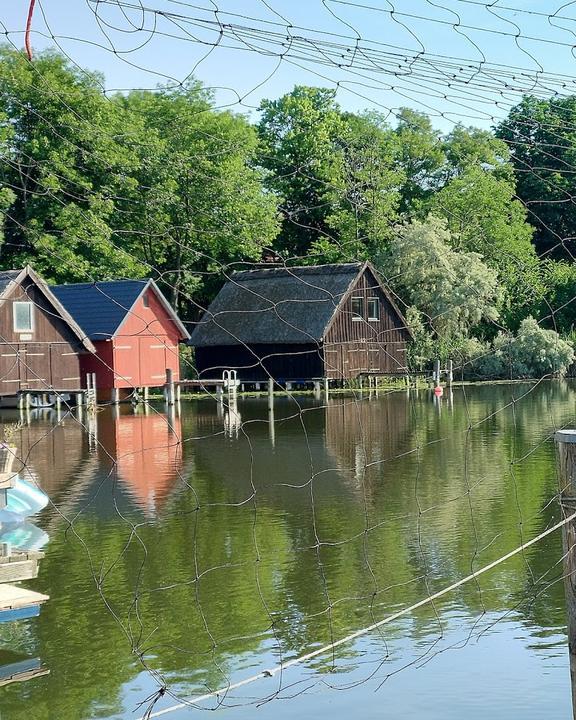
x,y
355,317
14,306
372,318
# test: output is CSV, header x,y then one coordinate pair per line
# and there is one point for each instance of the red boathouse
x,y
133,328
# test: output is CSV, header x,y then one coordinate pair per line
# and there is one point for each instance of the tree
x,y
298,136
65,165
364,193
455,291
483,216
540,135
558,303
420,156
153,183
197,193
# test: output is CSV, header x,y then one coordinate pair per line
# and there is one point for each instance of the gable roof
x,y
100,308
9,278
292,305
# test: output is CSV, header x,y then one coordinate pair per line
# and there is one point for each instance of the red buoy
x,y
438,391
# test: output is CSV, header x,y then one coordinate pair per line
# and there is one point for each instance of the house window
x,y
23,316
373,309
357,308
146,300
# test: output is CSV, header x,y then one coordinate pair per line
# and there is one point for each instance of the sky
x,y
457,60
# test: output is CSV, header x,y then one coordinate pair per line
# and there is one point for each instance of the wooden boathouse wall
x,y
361,346
241,329
48,356
259,362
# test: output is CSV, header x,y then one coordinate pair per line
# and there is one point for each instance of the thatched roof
x,y
275,306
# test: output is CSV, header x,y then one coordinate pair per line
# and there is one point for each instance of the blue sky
x,y
133,48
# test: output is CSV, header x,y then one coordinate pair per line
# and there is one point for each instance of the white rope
x,y
359,633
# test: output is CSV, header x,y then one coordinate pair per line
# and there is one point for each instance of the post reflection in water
x,y
208,550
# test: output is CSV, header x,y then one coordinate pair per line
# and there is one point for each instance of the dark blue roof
x,y
99,308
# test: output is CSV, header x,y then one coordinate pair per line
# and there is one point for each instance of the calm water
x,y
246,543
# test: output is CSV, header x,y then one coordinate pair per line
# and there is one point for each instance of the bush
x,y
533,353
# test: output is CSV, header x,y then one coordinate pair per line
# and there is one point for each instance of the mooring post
x,y
145,393
317,389
566,454
270,393
170,386
450,372
288,386
326,387
437,373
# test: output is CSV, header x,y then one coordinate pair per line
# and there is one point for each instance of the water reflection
x,y
144,451
209,551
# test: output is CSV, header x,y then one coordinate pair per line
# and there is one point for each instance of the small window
x,y
23,316
357,308
373,309
146,300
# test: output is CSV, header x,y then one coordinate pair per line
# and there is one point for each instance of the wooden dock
x,y
17,603
19,565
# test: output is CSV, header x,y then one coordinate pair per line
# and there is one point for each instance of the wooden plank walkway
x,y
13,597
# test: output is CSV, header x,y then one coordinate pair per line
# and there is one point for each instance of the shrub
x,y
534,352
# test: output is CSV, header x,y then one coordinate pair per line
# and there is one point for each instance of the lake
x,y
201,548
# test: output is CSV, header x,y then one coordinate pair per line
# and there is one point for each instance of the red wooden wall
x,y
145,345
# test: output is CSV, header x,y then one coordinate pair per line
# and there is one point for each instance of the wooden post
x,y
145,393
326,387
288,386
178,393
317,389
566,444
437,373
450,373
115,396
270,393
170,386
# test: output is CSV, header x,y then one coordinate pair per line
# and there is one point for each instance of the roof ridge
x,y
289,269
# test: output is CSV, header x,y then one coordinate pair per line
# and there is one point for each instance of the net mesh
x,y
218,154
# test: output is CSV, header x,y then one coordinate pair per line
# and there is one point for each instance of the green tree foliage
x,y
454,291
299,133
483,216
557,308
540,135
364,194
420,155
152,183
336,174
64,165
197,194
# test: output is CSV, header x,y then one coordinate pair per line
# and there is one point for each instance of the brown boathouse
x,y
299,323
40,343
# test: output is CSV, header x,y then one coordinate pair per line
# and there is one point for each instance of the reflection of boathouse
x,y
366,435
145,452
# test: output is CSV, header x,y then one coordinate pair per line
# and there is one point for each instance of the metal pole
x,y
270,393
437,372
566,444
450,372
